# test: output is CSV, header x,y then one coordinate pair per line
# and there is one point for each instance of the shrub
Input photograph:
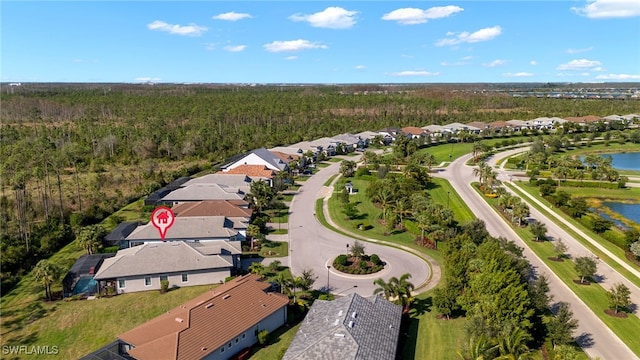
x,y
340,260
375,259
362,264
111,249
164,286
263,336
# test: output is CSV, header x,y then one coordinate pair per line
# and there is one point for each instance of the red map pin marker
x,y
162,218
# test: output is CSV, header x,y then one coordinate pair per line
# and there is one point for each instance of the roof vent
x,y
354,315
340,313
203,349
351,323
180,320
338,335
335,323
208,305
226,297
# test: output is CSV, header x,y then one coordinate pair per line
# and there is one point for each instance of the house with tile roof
x,y
413,132
141,268
350,327
227,208
255,172
201,192
259,156
215,325
191,229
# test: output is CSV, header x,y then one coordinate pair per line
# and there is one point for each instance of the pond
x,y
626,161
629,211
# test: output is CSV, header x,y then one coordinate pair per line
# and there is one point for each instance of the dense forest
x,y
72,154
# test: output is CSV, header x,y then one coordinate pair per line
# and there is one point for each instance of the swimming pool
x,y
86,285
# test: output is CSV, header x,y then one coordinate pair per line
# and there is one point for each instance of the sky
x,y
323,42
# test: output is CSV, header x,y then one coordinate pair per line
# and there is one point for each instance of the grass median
x,y
594,295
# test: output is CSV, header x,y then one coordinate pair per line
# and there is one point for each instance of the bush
x,y
362,264
164,286
411,227
110,249
340,260
263,336
362,171
375,259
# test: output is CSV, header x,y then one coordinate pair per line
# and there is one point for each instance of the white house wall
x,y
194,278
251,159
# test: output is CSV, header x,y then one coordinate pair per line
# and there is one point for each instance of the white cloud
x,y
331,18
467,58
183,30
293,45
455,63
232,16
495,63
580,64
291,58
577,51
618,77
518,74
235,48
147,79
359,67
413,16
405,56
210,46
599,9
414,73
474,37
533,62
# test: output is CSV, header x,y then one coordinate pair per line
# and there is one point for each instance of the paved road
x,y
606,275
314,246
593,335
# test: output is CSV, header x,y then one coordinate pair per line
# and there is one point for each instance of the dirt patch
x,y
619,314
585,283
555,258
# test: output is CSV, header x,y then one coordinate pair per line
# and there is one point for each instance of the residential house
x,y
259,156
118,236
201,192
433,130
192,229
480,125
413,132
239,216
215,325
240,183
255,172
499,126
350,327
584,120
143,267
519,125
350,141
456,128
367,136
390,133
154,199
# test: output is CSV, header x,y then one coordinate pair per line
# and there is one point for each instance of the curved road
x,y
312,246
593,335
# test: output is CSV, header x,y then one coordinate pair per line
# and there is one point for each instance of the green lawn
x,y
445,194
278,343
278,216
286,197
441,152
79,327
330,180
594,295
274,249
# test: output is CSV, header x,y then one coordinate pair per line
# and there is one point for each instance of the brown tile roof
x,y
211,208
584,119
251,171
499,124
413,130
286,157
204,324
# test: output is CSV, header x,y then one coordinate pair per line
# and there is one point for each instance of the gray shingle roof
x,y
159,258
185,228
202,192
350,327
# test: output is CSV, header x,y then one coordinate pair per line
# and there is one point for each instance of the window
x,y
222,349
244,335
147,281
237,340
121,283
164,277
185,277
229,346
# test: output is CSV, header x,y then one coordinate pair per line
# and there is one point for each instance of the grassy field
x,y
594,295
79,327
278,343
444,194
274,249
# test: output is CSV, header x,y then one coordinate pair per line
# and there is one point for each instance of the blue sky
x,y
320,41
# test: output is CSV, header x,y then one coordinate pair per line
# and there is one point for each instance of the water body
x,y
629,211
625,161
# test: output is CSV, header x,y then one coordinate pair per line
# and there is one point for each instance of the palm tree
x,y
538,229
257,268
46,273
479,348
403,291
520,211
386,288
512,344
